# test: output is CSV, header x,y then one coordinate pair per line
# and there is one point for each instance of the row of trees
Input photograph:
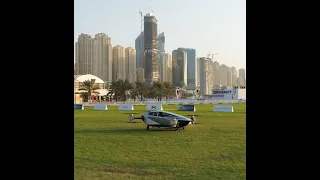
x,y
121,90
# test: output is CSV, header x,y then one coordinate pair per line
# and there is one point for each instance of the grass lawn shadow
x,y
111,131
122,131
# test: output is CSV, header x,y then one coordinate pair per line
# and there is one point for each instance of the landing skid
x,y
175,128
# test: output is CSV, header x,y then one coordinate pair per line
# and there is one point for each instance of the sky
x,y
209,26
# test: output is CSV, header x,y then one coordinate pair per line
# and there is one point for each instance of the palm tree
x,y
125,88
120,89
89,86
113,90
169,90
158,89
141,89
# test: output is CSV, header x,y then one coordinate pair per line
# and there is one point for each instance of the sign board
x,y
186,107
223,109
100,107
78,106
156,107
126,107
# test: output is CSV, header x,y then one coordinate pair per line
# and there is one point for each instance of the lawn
x,y
107,147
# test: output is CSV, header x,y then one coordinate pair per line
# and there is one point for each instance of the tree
x,y
120,89
141,89
169,90
113,90
90,87
158,89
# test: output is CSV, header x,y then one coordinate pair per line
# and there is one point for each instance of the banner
x,y
78,106
186,107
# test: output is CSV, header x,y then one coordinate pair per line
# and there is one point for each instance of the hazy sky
x,y
215,26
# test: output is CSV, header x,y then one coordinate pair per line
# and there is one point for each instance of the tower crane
x,y
212,55
140,12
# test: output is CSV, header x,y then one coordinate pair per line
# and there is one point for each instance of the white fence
x,y
169,101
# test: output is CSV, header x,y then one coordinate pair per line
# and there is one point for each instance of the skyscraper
x,y
84,54
233,76
179,68
139,50
131,65
119,65
198,70
140,74
94,56
206,75
216,77
102,64
192,68
161,51
151,49
242,76
223,74
168,70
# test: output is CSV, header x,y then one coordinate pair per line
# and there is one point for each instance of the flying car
x,y
164,119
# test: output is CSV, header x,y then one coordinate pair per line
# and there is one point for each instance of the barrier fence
x,y
169,101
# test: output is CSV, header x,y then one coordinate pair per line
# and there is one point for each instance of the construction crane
x,y
140,12
212,55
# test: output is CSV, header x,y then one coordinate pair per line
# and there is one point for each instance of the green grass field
x,y
107,147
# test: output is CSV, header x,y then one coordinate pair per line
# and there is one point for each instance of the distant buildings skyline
x,y
149,61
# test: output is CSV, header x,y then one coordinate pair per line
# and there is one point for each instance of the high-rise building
x,y
162,62
242,76
94,56
168,70
206,75
192,68
233,73
119,65
216,80
140,75
179,68
102,64
139,50
198,71
223,74
84,54
131,65
151,68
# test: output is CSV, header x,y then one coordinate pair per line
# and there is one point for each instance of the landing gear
x,y
147,127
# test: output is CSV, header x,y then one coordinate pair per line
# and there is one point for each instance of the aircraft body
x,y
164,119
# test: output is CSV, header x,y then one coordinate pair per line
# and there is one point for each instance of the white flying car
x,y
164,119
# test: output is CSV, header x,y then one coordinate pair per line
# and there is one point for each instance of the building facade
x,y
151,69
206,75
179,68
130,62
168,70
223,75
94,56
242,77
192,81
140,75
102,64
84,54
119,65
161,53
139,50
